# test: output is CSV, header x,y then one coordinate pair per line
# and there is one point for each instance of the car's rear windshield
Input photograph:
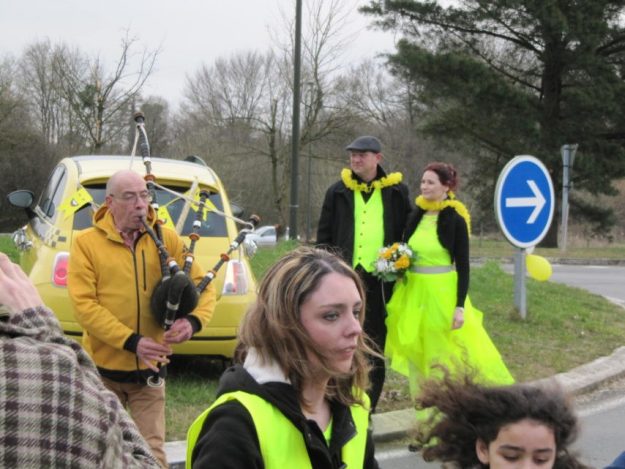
x,y
213,226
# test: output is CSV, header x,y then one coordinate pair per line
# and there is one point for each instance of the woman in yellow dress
x,y
430,317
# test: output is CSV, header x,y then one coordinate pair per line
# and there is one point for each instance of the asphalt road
x,y
608,281
602,414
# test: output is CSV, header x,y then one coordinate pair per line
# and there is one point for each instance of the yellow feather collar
x,y
437,206
386,181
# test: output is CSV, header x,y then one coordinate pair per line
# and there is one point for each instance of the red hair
x,y
446,173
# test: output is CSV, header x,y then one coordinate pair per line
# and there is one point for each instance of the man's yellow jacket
x,y
110,286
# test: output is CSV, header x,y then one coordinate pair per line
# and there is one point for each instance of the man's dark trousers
x,y
375,328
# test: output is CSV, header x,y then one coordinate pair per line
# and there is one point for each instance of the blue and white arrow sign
x,y
524,201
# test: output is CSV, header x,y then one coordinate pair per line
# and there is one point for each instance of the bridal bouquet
x,y
393,261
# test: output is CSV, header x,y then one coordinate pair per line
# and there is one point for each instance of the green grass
x,y
8,247
499,247
265,256
565,327
191,388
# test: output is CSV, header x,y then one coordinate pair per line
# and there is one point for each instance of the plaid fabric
x,y
54,410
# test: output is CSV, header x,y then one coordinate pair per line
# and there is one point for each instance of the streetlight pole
x,y
309,201
309,100
568,156
295,129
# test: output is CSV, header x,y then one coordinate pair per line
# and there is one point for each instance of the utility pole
x,y
568,156
309,100
295,131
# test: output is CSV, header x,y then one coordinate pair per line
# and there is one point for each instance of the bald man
x,y
114,267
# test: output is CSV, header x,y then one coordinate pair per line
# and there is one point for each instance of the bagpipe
x,y
175,296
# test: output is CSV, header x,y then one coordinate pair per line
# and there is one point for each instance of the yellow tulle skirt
x,y
420,315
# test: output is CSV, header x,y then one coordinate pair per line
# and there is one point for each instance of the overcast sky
x,y
189,32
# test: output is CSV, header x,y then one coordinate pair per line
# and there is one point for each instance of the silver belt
x,y
431,269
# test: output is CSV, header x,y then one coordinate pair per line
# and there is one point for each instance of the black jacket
x,y
336,223
453,234
228,438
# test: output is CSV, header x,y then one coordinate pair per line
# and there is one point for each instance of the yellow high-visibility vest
x,y
281,443
368,229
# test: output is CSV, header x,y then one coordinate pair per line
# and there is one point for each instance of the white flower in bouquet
x,y
393,261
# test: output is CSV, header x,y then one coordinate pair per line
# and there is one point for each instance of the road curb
x,y
393,425
176,452
590,376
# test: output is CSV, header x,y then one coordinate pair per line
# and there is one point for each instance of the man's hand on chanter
x,y
180,331
150,351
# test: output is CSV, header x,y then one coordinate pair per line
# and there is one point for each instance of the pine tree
x,y
510,77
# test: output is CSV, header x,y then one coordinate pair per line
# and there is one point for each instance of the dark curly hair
x,y
465,411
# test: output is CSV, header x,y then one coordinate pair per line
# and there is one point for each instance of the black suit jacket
x,y
336,223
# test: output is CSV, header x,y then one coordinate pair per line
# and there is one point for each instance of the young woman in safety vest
x,y
298,399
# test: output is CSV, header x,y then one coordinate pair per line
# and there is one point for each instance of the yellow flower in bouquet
x,y
393,261
402,263
386,253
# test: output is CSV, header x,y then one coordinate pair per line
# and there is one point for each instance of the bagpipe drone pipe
x,y
175,296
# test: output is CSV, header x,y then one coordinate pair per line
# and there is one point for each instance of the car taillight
x,y
59,270
235,282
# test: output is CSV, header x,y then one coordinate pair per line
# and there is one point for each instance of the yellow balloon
x,y
538,267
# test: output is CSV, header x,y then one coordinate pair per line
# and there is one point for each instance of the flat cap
x,y
365,143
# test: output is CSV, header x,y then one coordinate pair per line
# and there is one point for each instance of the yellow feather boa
x,y
437,206
386,181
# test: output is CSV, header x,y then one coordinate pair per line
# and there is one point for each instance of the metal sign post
x,y
520,293
568,156
524,203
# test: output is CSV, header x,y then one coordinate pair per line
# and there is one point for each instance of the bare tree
x,y
244,103
51,111
239,107
386,105
8,103
323,48
37,81
157,124
99,99
375,95
25,158
230,91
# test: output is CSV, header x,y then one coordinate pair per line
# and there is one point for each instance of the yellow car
x,y
76,188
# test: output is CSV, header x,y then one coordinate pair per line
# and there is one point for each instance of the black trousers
x,y
378,293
